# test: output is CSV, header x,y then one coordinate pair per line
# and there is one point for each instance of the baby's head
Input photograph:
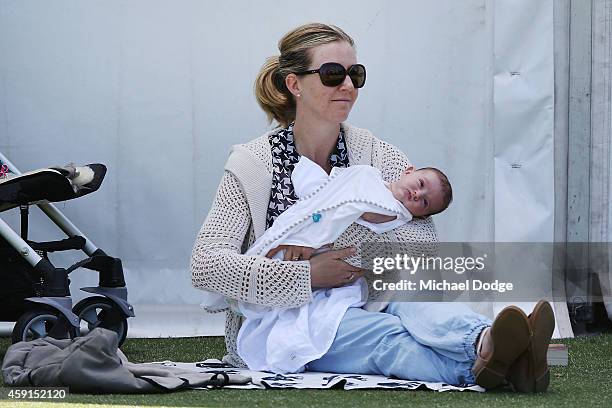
x,y
423,192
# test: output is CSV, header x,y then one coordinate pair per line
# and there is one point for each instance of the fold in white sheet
x,y
340,199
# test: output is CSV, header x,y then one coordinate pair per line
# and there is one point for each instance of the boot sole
x,y
543,326
542,321
510,335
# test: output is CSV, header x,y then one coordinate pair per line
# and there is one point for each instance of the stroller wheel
x,y
40,322
98,311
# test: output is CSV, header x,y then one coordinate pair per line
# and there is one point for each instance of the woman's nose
x,y
347,83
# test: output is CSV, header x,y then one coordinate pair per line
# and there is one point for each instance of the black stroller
x,y
33,292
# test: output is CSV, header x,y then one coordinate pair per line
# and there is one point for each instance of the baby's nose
x,y
415,195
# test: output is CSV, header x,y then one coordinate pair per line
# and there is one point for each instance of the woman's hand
x,y
292,252
375,218
328,270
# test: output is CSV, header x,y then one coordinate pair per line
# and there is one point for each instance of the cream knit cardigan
x,y
238,217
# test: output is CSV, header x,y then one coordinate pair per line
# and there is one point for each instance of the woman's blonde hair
x,y
270,89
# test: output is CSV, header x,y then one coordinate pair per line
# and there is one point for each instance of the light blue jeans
x,y
431,342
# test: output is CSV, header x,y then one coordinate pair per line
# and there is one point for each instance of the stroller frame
x,y
56,292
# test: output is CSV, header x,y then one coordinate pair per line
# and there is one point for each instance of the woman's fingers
x,y
348,278
306,253
358,271
353,270
300,253
328,270
346,273
274,251
343,253
290,254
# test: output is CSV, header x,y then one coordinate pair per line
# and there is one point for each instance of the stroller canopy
x,y
51,184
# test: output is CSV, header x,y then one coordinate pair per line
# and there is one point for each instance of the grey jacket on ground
x,y
93,364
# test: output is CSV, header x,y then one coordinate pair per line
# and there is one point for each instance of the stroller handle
x,y
56,216
62,245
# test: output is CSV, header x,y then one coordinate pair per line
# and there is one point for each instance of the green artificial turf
x,y
586,382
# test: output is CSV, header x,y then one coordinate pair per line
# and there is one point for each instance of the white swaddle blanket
x,y
284,340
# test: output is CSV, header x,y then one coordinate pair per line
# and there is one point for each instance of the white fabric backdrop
x,y
160,90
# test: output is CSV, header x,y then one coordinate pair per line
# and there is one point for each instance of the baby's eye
x,y
421,182
425,203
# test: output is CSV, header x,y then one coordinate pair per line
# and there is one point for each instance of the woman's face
x,y
327,103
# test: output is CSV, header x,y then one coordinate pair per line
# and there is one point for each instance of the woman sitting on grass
x,y
310,89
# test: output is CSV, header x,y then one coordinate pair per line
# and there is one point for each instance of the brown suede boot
x,y
530,373
506,340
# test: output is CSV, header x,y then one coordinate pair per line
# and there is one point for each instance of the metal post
x,y
601,136
561,12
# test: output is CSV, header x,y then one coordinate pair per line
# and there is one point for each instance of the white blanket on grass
x,y
285,340
309,380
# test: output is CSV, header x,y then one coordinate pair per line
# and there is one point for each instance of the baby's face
x,y
420,191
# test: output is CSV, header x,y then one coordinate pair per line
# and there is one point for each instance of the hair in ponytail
x,y
270,89
272,94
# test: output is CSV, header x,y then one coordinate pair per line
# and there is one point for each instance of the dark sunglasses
x,y
333,74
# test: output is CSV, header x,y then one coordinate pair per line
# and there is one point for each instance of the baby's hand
x,y
377,218
292,252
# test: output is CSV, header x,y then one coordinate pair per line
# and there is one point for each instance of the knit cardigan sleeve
x,y
217,263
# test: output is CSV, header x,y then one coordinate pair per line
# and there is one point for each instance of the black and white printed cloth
x,y
313,380
284,158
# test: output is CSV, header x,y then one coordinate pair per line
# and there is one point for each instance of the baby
x,y
422,192
284,340
417,194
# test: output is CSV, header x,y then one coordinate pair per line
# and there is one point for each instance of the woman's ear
x,y
292,84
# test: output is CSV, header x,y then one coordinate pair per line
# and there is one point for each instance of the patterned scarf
x,y
284,158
